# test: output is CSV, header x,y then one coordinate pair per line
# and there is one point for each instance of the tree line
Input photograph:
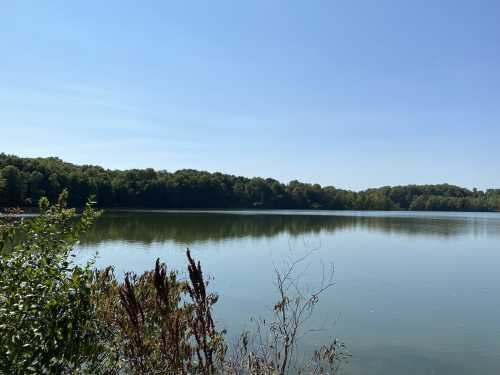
x,y
23,181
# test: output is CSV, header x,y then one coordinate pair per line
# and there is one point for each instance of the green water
x,y
414,293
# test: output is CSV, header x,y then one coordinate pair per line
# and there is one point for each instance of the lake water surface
x,y
415,293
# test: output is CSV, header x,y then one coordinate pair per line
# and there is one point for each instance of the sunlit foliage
x,y
24,180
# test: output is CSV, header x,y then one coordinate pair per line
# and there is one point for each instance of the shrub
x,y
47,316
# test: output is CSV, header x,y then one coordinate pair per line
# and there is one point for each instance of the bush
x,y
47,316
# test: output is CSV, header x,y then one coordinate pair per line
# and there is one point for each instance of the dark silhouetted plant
x,y
155,322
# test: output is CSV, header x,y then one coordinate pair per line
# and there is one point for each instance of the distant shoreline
x,y
23,181
28,211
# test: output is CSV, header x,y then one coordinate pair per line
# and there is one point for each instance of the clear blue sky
x,y
354,94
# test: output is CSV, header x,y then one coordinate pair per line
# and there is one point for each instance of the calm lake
x,y
414,293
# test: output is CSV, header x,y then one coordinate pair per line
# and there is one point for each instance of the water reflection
x,y
415,293
198,227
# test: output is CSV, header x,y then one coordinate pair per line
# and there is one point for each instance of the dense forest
x,y
24,180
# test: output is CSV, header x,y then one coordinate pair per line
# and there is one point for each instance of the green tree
x,y
13,186
35,189
30,178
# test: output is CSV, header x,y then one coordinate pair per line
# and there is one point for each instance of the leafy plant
x,y
47,315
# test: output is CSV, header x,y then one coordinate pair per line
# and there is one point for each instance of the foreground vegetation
x,y
60,318
23,181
